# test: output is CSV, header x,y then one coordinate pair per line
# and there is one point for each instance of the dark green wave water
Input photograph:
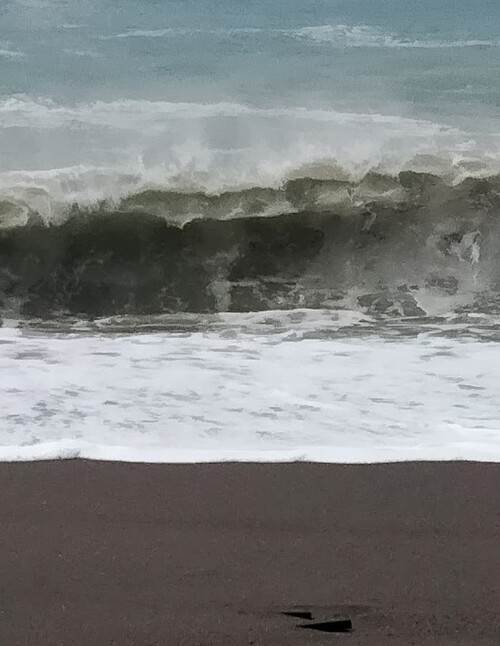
x,y
400,246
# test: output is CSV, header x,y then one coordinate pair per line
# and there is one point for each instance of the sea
x,y
250,231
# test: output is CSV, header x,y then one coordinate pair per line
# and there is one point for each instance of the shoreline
x,y
131,554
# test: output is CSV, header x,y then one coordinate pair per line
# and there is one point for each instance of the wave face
x,y
409,245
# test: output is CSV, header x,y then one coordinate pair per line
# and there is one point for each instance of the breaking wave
x,y
144,207
405,245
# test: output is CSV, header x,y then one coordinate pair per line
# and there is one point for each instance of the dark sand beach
x,y
102,554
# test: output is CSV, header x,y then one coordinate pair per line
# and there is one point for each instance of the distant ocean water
x,y
323,170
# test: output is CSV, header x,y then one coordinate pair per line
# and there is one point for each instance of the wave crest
x,y
107,150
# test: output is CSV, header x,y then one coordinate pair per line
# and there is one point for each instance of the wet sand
x,y
109,554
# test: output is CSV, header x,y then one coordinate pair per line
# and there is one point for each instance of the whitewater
x,y
251,234
275,387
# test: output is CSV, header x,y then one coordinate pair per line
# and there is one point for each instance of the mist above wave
x,y
55,154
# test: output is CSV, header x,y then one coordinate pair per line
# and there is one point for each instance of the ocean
x,y
258,231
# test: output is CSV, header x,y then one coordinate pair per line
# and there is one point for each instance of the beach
x,y
97,553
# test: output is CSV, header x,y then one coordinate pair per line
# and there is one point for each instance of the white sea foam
x,y
337,35
152,33
72,449
10,54
370,36
173,32
225,394
135,114
83,53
